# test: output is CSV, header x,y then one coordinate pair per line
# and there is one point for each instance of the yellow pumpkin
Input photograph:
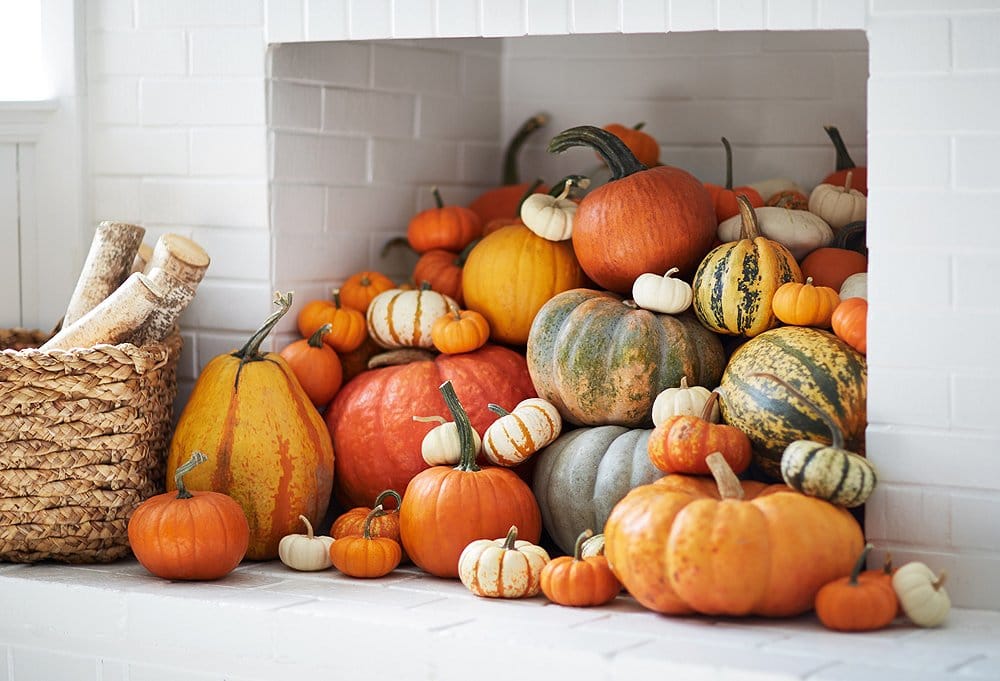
x,y
267,446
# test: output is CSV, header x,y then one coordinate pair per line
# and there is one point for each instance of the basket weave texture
x,y
83,441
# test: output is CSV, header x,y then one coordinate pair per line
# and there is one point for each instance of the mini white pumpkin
x,y
441,445
516,435
921,594
800,231
593,546
855,286
771,186
839,206
305,552
551,217
662,294
683,401
403,319
502,568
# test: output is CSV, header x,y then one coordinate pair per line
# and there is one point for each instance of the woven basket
x,y
83,440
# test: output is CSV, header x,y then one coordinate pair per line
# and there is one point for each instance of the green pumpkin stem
x,y
615,153
510,171
580,541
749,227
729,164
461,419
196,459
844,160
639,126
438,201
389,493
316,339
836,434
859,565
497,409
374,513
509,541
251,351
463,255
564,187
335,294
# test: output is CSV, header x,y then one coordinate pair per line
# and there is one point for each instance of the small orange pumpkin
x,y
682,443
347,324
850,323
791,199
804,304
316,365
578,581
366,556
858,602
443,270
460,331
724,196
450,228
358,289
642,145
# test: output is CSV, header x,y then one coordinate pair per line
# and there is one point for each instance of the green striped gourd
x,y
736,281
822,367
601,360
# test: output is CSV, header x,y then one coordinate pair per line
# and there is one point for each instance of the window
x,y
23,76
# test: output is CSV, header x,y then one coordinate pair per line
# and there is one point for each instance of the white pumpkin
x,y
305,552
800,231
683,401
551,217
855,286
593,546
921,594
502,568
837,205
441,445
771,186
662,294
403,319
515,436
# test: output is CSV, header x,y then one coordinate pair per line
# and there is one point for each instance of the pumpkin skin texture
x,y
363,555
601,361
443,271
398,318
371,418
316,365
511,273
358,289
581,476
679,549
805,304
641,220
578,581
681,444
815,362
800,231
266,443
830,266
352,523
502,568
850,323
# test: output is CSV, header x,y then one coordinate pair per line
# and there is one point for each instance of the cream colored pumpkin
x,y
404,319
771,186
305,552
855,286
551,217
837,205
800,231
441,445
921,594
515,436
593,546
662,294
502,568
683,401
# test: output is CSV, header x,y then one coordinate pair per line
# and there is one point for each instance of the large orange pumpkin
x,y
642,220
503,201
690,544
371,418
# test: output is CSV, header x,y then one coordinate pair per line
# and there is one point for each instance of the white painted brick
x,y
976,278
327,20
168,672
974,47
909,44
236,254
187,364
138,53
109,15
228,51
785,15
919,515
895,653
914,456
28,664
814,40
481,165
975,162
502,18
973,522
319,158
481,76
643,16
947,221
228,306
457,18
900,102
296,106
841,14
343,63
693,15
116,198
414,161
369,208
285,21
138,151
368,112
913,397
967,573
333,255
463,119
908,271
112,670
930,6
543,17
942,333
741,15
416,21
114,101
213,344
910,160
370,19
415,70
297,209
202,102
192,13
205,203
850,76
595,16
229,151
972,404
520,77
78,601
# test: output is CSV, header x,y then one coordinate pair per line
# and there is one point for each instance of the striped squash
x,y
818,364
404,319
601,360
736,281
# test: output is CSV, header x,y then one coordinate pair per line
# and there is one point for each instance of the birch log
x,y
115,319
108,263
179,257
177,295
142,257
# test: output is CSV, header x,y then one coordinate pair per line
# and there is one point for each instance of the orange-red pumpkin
x,y
443,271
643,145
578,581
450,228
316,365
850,323
859,602
683,443
829,266
358,289
366,555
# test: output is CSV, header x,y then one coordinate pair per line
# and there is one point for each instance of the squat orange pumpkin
x,y
859,602
316,366
460,331
850,323
366,556
578,581
358,289
682,443
450,228
804,304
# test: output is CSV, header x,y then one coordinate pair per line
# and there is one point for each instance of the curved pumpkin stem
x,y
316,340
196,459
859,565
706,412
389,493
251,351
836,434
461,418
729,485
510,171
309,527
508,542
374,513
729,164
615,153
844,160
580,541
497,409
392,243
749,227
438,201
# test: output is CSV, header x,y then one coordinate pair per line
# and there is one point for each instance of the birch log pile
x,y
109,261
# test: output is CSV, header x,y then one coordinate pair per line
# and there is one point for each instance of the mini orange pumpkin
x,y
316,365
460,331
804,304
348,327
578,581
791,199
450,228
858,602
643,145
443,271
358,289
682,443
850,323
366,556
384,524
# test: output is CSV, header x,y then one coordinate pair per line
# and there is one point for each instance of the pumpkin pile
x,y
660,379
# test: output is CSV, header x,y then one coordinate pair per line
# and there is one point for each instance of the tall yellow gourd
x,y
267,445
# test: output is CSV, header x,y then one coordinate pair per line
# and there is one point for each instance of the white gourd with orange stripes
x,y
400,318
515,436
